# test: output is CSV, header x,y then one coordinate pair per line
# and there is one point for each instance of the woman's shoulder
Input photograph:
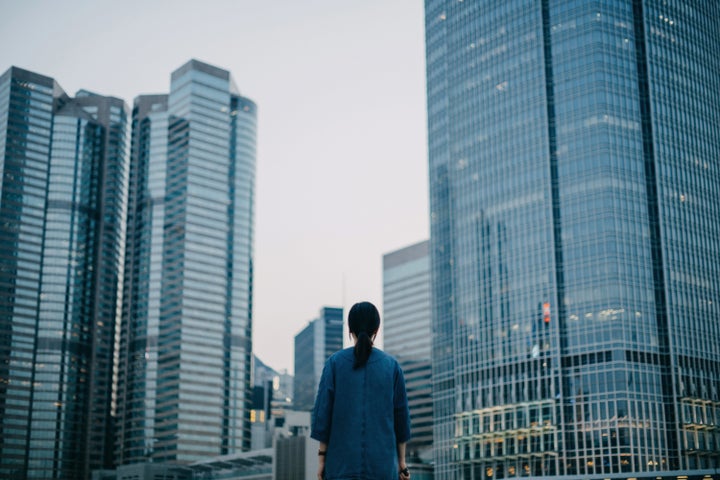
x,y
378,355
344,355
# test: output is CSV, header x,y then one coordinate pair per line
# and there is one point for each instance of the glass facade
x,y
313,346
138,352
184,388
64,181
573,151
407,336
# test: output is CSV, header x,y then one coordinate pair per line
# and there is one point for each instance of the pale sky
x,y
342,142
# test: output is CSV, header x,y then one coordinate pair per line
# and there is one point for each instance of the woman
x,y
361,416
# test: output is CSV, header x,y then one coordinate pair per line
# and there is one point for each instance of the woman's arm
x,y
322,451
321,416
402,421
401,460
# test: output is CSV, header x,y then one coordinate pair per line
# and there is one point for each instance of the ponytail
x,y
363,348
363,321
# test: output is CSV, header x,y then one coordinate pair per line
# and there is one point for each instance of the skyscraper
x,y
184,388
574,192
407,335
64,164
321,338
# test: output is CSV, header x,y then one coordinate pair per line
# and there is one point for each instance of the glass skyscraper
x,y
184,390
407,335
574,150
64,167
321,338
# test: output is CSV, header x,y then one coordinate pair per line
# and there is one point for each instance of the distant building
x,y
313,346
254,465
295,452
63,195
144,471
184,391
292,456
261,419
283,390
262,372
282,382
407,335
574,151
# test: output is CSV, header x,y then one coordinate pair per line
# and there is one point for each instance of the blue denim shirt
x,y
362,415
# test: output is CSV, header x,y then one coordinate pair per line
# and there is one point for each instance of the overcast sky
x,y
342,149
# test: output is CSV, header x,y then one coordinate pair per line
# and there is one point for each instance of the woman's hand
x,y
322,451
404,473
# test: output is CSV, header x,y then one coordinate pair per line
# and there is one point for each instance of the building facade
x,y
407,335
253,465
313,346
574,188
64,166
184,390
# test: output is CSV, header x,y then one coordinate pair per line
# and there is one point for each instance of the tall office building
x,y
313,346
407,335
575,242
184,388
64,168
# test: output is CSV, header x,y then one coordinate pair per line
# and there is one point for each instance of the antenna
x,y
343,290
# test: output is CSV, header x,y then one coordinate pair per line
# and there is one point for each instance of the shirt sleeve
x,y
323,409
402,411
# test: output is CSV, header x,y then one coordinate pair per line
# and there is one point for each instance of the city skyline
x,y
573,151
342,174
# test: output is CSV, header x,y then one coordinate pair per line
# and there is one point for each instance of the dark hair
x,y
363,321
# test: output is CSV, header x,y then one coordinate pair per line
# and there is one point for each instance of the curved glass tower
x,y
185,347
574,192
64,167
